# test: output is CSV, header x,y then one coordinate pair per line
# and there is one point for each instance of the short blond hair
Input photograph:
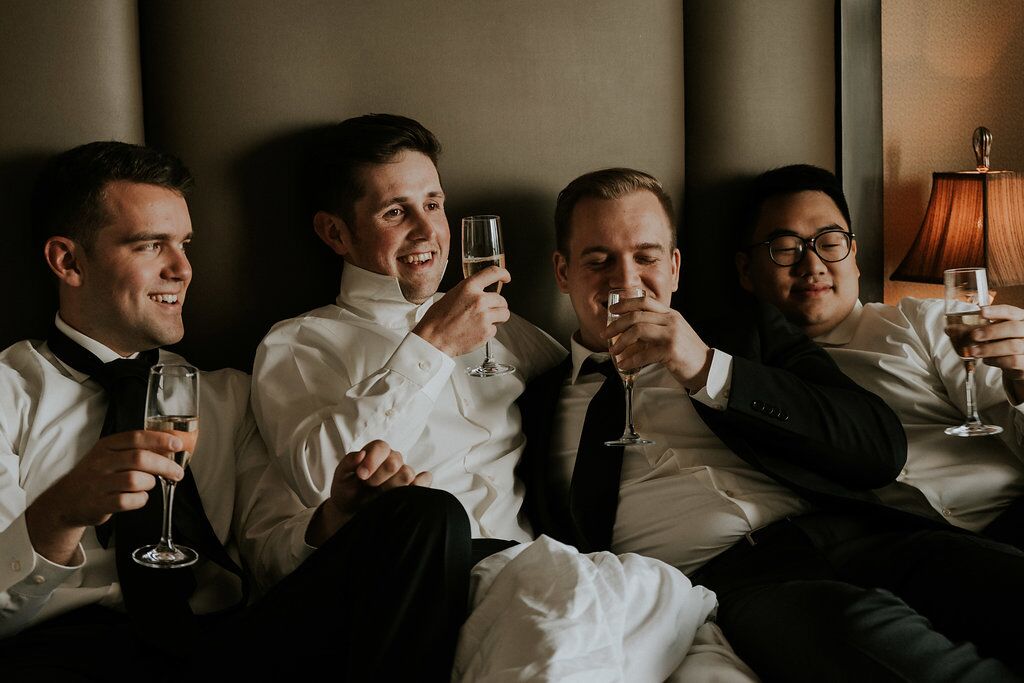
x,y
608,183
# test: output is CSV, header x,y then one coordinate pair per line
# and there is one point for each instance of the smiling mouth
x,y
814,290
164,298
417,259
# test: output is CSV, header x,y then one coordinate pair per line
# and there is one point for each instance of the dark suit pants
x,y
381,600
839,598
1008,527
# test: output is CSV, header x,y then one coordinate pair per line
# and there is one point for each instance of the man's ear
x,y
743,270
333,231
677,259
62,255
561,266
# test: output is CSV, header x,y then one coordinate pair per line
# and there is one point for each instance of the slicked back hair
x,y
608,183
344,150
68,197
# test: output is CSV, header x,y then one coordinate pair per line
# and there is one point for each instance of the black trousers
x,y
828,597
382,600
1008,527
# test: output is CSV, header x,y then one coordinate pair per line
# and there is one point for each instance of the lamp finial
x,y
982,147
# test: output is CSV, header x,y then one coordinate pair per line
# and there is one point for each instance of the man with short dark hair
x,y
377,574
799,253
758,481
389,359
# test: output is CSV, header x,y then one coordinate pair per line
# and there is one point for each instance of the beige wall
x,y
523,95
948,66
752,103
69,73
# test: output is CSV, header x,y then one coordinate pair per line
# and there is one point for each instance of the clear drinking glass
x,y
966,292
172,405
629,437
482,247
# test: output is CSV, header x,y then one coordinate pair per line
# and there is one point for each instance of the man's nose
x,y
625,274
177,266
810,263
423,228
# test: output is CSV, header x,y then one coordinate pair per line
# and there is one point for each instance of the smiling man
x,y
759,479
388,360
801,255
78,476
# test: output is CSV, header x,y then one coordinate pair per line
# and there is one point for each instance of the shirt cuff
x,y
422,363
1008,388
715,393
26,572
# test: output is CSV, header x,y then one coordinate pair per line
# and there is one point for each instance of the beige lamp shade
x,y
974,218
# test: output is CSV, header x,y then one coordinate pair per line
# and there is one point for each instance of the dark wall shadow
x,y
29,292
708,240
285,269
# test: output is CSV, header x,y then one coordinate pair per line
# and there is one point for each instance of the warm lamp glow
x,y
974,218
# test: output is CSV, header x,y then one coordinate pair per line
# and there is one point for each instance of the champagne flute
x,y
172,405
629,437
966,292
482,247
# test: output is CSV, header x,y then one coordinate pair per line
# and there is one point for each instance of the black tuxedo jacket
x,y
791,414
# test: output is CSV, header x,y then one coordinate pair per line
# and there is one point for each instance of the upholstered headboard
x,y
524,96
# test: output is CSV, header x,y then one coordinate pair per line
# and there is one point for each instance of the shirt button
x,y
728,492
946,512
424,365
389,412
15,566
38,579
904,472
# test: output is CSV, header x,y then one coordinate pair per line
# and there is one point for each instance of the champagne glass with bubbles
x,y
172,405
481,248
966,292
629,437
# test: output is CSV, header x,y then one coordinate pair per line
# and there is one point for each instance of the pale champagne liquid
x,y
185,427
969,320
626,374
473,265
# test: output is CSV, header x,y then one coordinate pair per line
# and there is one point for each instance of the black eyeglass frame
x,y
805,244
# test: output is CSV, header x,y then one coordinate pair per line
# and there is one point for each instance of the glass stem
x,y
630,430
165,535
972,408
487,353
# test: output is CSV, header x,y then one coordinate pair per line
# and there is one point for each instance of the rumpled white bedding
x,y
542,611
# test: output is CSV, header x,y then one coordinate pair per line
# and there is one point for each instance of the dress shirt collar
x,y
580,353
89,344
379,298
843,332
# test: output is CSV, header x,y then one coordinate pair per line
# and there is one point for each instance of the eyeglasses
x,y
831,246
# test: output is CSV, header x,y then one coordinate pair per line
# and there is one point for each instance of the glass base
x,y
491,369
165,557
634,440
974,430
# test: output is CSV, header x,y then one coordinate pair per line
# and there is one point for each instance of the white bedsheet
x,y
542,611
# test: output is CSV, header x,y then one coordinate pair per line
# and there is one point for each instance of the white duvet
x,y
542,611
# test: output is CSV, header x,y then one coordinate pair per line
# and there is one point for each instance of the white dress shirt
x,y
902,354
332,380
687,497
51,416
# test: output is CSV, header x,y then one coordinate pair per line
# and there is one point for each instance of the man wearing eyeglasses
x,y
758,485
801,256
